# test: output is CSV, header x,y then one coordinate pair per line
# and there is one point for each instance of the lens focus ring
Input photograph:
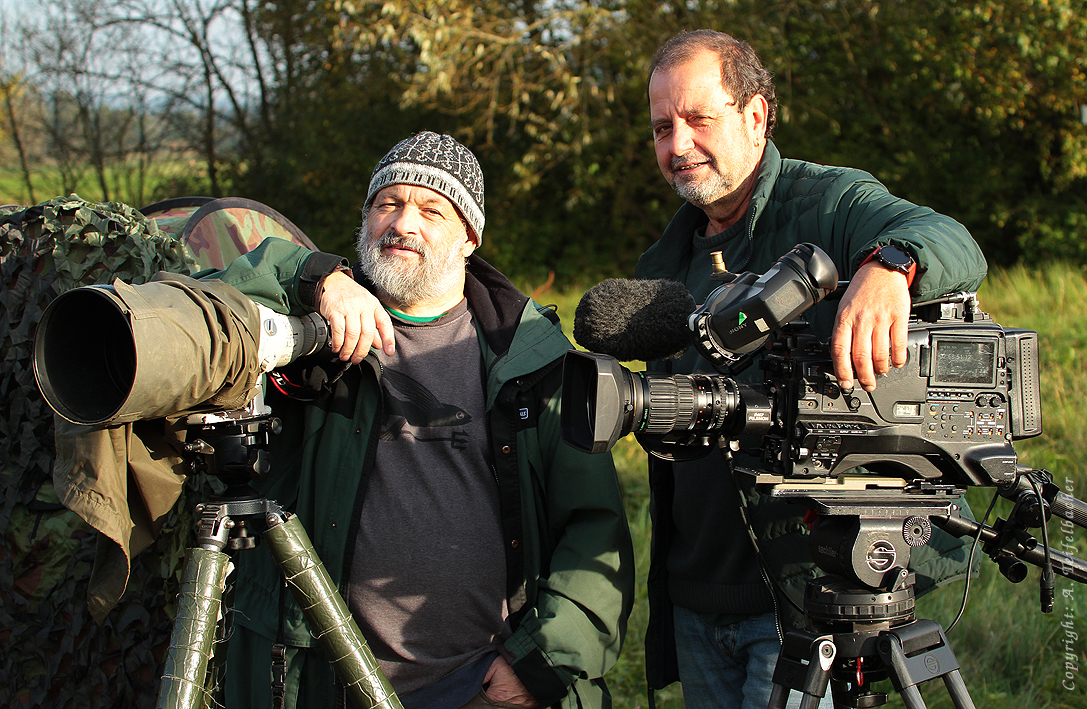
x,y
664,405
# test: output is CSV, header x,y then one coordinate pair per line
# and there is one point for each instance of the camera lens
x,y
684,402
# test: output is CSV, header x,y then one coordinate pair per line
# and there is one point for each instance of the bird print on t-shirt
x,y
411,408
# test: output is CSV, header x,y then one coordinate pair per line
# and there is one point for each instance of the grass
x,y
162,178
1012,655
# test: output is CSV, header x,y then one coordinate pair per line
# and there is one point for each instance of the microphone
x,y
634,319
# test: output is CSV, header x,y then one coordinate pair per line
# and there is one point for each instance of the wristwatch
x,y
895,259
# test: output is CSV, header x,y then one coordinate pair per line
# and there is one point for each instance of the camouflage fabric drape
x,y
54,654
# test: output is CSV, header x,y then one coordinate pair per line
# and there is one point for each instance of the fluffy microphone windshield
x,y
635,319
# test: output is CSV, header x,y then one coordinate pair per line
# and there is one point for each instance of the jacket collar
x,y
495,303
519,342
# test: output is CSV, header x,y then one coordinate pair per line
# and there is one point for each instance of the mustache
x,y
679,162
391,238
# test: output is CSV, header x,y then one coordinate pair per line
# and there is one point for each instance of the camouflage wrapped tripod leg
x,y
328,616
199,607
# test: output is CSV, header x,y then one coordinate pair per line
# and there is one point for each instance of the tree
x,y
211,64
11,90
973,109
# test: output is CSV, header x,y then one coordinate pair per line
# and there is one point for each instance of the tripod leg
x,y
911,697
199,607
930,657
803,664
779,697
956,687
328,615
839,693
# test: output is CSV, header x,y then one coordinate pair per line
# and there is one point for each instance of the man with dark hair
x,y
486,562
719,606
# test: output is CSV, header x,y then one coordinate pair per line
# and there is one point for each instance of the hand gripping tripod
x,y
861,622
233,447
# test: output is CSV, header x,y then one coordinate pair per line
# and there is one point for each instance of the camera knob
x,y
917,531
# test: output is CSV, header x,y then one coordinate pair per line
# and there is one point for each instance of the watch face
x,y
895,258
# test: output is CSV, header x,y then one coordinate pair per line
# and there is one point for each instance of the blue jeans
x,y
729,666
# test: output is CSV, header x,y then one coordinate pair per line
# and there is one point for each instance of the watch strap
x,y
909,271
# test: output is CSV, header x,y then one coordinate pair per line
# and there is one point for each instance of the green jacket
x,y
847,213
568,551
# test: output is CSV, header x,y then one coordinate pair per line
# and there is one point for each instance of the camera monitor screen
x,y
959,361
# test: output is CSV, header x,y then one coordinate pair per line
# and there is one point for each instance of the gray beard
x,y
701,194
704,192
404,284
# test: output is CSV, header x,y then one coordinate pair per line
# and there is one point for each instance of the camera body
x,y
968,389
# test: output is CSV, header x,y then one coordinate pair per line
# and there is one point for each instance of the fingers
x,y
336,325
864,347
869,355
841,348
900,336
356,318
871,329
384,337
354,347
502,684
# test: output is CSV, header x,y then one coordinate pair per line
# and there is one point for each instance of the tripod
x,y
861,621
859,636
233,447
861,625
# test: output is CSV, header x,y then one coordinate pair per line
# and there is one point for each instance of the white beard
x,y
406,284
704,192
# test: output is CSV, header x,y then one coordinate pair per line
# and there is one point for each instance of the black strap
x,y
279,655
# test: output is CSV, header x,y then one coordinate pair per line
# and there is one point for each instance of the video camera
x,y
879,468
969,388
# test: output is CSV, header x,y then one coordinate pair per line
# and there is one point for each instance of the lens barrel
x,y
85,356
107,355
683,402
603,401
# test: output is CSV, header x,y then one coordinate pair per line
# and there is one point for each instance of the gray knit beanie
x,y
440,163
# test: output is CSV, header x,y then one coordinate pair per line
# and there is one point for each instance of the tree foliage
x,y
973,109
976,109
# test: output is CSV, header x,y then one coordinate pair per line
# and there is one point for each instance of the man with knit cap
x,y
486,562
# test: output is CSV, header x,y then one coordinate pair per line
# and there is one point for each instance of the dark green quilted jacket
x,y
847,213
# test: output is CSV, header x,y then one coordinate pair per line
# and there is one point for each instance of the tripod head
x,y
861,617
865,527
233,445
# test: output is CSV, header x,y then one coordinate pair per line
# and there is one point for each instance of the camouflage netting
x,y
54,655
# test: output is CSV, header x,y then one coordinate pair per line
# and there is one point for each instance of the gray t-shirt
x,y
428,575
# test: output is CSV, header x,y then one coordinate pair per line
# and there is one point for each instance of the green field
x,y
125,183
1012,655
